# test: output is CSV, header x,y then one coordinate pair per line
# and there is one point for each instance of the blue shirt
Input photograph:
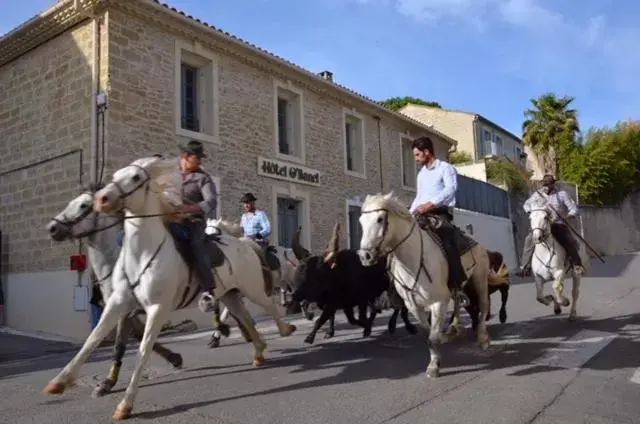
x,y
436,184
256,223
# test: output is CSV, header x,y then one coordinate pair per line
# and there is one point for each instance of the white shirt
x,y
559,199
436,184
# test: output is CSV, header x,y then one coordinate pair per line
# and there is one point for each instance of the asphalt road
x,y
540,369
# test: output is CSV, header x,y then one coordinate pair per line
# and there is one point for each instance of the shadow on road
x,y
401,356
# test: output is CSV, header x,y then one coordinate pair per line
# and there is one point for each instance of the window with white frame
x,y
409,166
196,92
354,229
484,147
498,149
353,135
289,122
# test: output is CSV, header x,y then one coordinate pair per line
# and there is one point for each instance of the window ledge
x,y
356,174
198,136
290,158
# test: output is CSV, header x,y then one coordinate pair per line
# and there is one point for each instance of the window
x,y
354,147
409,166
289,122
484,147
354,229
497,147
290,211
196,85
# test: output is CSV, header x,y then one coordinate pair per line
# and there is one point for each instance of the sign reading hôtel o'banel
x,y
286,171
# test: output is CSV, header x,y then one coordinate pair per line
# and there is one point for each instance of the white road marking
x,y
576,351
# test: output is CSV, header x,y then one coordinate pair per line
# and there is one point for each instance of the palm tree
x,y
550,129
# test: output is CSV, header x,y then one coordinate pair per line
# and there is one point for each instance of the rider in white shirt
x,y
436,187
255,221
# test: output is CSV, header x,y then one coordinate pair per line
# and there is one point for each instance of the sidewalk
x,y
16,347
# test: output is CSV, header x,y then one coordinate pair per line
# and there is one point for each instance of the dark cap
x,y
548,180
195,147
248,197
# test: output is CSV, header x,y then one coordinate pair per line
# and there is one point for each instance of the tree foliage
x,y
460,157
397,103
606,166
507,172
550,129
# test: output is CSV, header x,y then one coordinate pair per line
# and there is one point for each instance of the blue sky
x,y
486,56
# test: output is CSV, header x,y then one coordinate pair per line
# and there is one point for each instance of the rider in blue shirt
x,y
254,221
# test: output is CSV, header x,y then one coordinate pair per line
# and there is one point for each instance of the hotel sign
x,y
288,171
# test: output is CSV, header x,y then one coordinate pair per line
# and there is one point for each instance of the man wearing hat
x,y
564,204
254,221
199,201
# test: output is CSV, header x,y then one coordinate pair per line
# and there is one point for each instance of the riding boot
x,y
202,266
563,235
457,274
526,256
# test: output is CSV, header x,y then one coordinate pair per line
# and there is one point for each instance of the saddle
x,y
431,224
271,257
181,239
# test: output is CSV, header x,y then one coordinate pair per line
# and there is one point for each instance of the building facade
x,y
96,81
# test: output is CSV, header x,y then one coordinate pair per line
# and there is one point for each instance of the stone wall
x,y
45,110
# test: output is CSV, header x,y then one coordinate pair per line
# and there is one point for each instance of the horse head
x,y
541,216
148,186
386,223
79,220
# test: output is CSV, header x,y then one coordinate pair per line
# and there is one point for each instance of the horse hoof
x,y
572,317
484,345
175,359
328,335
565,302
391,330
289,330
366,333
214,342
54,388
503,317
258,361
100,390
224,329
122,412
556,309
310,316
308,340
412,330
433,372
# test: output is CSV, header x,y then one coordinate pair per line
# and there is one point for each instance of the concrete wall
x,y
613,230
477,170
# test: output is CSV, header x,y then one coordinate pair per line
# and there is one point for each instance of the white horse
x,y
550,261
100,231
419,268
151,274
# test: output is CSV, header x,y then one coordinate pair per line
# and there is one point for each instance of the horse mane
x,y
232,228
387,202
165,174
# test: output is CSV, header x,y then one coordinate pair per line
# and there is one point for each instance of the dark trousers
x,y
202,262
563,235
447,233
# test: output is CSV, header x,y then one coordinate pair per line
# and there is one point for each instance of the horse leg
x,y
480,282
218,320
284,328
404,314
504,296
540,297
558,288
575,292
304,305
368,323
331,329
438,313
119,348
170,356
393,320
456,329
489,316
156,316
114,309
327,312
234,301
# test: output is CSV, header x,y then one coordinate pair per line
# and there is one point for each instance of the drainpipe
x,y
377,118
95,87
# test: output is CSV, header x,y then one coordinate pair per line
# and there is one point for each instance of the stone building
x,y
134,77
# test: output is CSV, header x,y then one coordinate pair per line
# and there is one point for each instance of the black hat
x,y
248,197
548,180
195,147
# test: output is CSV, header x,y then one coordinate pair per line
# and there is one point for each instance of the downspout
x,y
95,87
377,118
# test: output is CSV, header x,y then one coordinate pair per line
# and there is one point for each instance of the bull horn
x,y
334,243
299,251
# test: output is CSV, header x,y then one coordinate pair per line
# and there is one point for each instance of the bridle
x,y
545,231
380,253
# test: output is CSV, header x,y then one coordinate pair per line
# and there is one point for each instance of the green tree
x,y
460,157
606,167
397,103
550,129
502,170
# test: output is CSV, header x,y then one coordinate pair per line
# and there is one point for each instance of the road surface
x,y
540,369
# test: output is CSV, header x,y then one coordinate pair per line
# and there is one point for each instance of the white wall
x,y
494,233
43,303
477,170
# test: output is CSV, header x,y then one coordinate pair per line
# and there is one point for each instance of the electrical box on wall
x,y
80,298
78,262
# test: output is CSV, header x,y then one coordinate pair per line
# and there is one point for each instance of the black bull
x,y
340,281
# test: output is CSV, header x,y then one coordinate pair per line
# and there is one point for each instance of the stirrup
x,y
578,270
207,303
